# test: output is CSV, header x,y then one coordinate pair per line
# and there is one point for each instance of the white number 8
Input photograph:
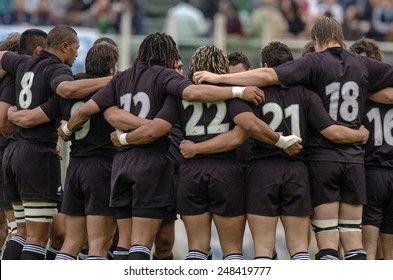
x,y
25,95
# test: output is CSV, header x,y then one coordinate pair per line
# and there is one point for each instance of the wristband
x,y
281,142
66,130
237,92
123,139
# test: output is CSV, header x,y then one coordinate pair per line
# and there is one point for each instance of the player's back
x,y
289,111
36,79
379,147
203,121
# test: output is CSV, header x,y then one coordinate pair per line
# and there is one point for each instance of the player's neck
x,y
329,45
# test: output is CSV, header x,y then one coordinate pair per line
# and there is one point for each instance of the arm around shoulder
x,y
81,88
344,135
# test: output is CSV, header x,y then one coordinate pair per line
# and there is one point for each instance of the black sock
x,y
327,254
110,253
51,252
139,252
83,254
33,252
357,254
64,256
210,254
13,250
196,255
168,258
120,253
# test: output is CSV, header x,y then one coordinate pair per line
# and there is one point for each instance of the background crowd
x,y
280,19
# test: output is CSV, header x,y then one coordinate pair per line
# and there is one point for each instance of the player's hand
x,y
294,149
205,76
254,95
286,141
365,134
187,149
115,138
61,133
10,113
58,148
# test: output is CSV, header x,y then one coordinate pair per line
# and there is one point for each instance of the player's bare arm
x,y
211,94
5,124
27,118
256,77
221,143
384,96
78,118
262,132
344,135
123,120
81,88
145,134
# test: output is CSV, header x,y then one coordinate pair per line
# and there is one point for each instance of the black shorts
x,y
337,181
31,171
378,211
142,178
278,187
210,185
87,187
4,204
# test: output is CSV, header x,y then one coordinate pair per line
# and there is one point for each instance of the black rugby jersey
x,y
92,140
295,111
378,119
7,95
144,94
36,80
342,80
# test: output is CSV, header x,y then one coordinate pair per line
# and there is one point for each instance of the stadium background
x,y
128,44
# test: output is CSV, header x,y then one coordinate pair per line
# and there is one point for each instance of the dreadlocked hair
x,y
208,58
157,49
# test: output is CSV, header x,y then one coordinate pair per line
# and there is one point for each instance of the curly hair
x,y
367,46
208,58
11,43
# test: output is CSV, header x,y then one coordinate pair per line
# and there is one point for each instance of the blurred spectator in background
x,y
332,9
382,21
186,20
104,15
291,12
19,15
267,21
139,20
234,24
354,27
74,14
6,6
44,15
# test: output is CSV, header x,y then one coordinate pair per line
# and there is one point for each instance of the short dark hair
x,y
100,59
105,40
239,57
276,53
30,39
368,46
60,34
